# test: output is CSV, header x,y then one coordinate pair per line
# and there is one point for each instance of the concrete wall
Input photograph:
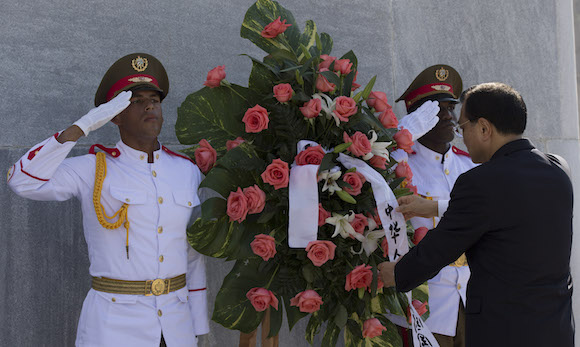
x,y
53,54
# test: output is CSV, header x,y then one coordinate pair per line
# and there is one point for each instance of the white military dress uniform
x,y
161,196
434,174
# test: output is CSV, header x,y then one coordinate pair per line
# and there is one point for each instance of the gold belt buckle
x,y
157,286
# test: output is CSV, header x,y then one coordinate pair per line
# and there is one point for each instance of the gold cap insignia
x,y
441,74
441,87
140,79
139,64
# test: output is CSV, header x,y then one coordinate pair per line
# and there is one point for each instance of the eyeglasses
x,y
458,130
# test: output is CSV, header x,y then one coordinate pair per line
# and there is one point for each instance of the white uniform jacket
x,y
434,175
161,196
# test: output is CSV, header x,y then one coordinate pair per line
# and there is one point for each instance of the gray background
x,y
53,54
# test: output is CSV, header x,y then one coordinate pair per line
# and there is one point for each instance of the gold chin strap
x,y
100,174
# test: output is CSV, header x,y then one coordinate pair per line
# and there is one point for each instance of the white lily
x,y
342,225
370,241
330,177
327,105
378,148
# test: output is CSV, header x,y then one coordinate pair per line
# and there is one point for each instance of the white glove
x,y
99,116
421,120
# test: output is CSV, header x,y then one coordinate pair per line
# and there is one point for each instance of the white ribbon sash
x,y
396,233
303,202
393,222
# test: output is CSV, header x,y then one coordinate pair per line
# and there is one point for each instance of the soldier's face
x,y
143,118
443,131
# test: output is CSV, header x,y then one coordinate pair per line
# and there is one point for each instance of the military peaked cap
x,y
133,71
437,82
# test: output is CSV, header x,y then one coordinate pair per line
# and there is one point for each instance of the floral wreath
x,y
302,108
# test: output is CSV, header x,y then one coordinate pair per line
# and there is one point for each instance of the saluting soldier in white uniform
x,y
435,165
149,285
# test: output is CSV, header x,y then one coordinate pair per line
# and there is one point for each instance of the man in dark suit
x,y
512,216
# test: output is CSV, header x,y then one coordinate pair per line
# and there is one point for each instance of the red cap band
x,y
126,81
432,88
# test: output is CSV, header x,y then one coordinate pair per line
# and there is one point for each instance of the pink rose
x,y
388,119
378,101
356,180
205,156
344,66
385,247
420,307
360,143
359,223
276,174
256,119
412,188
307,301
274,29
215,76
322,83
311,109
264,246
310,156
322,215
256,199
372,328
326,62
404,170
378,162
237,206
360,277
320,251
261,298
283,92
404,140
419,234
345,107
231,144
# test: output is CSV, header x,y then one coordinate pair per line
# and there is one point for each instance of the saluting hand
x,y
99,116
423,119
415,206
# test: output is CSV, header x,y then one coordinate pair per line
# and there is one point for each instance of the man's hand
x,y
387,273
421,120
99,116
415,206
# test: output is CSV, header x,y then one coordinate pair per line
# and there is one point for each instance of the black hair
x,y
499,103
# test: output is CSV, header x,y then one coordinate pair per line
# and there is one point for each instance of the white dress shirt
x,y
434,174
161,196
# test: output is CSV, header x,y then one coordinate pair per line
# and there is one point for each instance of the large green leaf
x,y
312,328
222,238
261,78
308,38
330,335
232,309
262,13
214,114
326,42
237,168
293,314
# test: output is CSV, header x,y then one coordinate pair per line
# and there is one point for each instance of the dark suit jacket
x,y
513,217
